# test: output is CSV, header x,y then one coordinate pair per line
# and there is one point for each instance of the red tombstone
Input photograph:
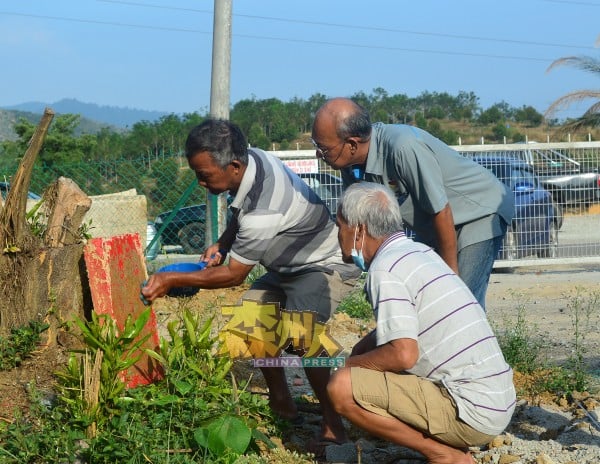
x,y
116,268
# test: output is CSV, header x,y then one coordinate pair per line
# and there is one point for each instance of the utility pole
x,y
216,217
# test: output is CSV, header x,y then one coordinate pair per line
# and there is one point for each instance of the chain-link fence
x,y
165,181
555,186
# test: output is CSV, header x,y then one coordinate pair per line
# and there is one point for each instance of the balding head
x,y
343,116
341,132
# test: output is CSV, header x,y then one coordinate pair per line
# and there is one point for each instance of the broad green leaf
x,y
182,387
228,432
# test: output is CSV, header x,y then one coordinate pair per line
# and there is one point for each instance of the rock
x,y
508,458
563,402
543,459
497,442
364,445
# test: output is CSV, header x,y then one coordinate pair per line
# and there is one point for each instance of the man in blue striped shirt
x,y
431,376
280,223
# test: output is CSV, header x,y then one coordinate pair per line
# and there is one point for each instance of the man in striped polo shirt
x,y
431,376
279,222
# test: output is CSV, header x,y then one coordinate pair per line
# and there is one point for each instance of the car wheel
x,y
558,215
191,237
551,249
509,246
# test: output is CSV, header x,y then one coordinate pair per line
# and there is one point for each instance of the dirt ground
x,y
550,298
545,296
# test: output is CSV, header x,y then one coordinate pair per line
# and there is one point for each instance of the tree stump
x,y
42,277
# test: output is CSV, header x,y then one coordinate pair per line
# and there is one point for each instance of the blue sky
x,y
156,54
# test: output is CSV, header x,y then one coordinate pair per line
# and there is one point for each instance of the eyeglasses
x,y
323,152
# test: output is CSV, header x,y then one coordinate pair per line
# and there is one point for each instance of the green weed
x,y
37,219
518,341
355,305
256,272
19,344
523,347
584,311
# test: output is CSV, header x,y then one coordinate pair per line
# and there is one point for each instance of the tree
x,y
529,116
467,105
492,115
61,145
591,117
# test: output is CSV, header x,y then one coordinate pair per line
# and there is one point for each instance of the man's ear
x,y
236,165
353,142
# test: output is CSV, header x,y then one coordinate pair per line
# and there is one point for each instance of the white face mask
x,y
357,256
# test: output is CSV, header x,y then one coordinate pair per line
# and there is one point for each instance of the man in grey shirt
x,y
280,223
450,202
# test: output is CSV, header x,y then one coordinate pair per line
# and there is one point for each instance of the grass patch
x,y
19,344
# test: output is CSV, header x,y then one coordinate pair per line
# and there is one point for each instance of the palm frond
x,y
570,98
585,63
584,122
594,109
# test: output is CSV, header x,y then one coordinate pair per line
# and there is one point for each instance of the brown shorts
x,y
417,402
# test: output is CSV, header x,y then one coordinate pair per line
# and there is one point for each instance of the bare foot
x,y
332,429
284,409
318,446
337,435
455,456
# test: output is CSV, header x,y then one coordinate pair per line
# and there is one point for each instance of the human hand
x,y
155,287
213,255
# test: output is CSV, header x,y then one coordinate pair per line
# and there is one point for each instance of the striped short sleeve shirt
x,y
283,224
416,295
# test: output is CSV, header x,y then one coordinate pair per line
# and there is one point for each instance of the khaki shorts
x,y
317,291
417,402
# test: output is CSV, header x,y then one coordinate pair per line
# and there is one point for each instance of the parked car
x,y
5,187
186,229
569,181
327,186
537,219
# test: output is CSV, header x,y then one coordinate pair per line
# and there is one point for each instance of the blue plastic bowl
x,y
183,267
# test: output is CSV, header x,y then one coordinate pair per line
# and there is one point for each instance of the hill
x,y
8,118
108,115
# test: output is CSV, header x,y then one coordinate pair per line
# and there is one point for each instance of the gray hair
x,y
355,124
223,139
372,205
